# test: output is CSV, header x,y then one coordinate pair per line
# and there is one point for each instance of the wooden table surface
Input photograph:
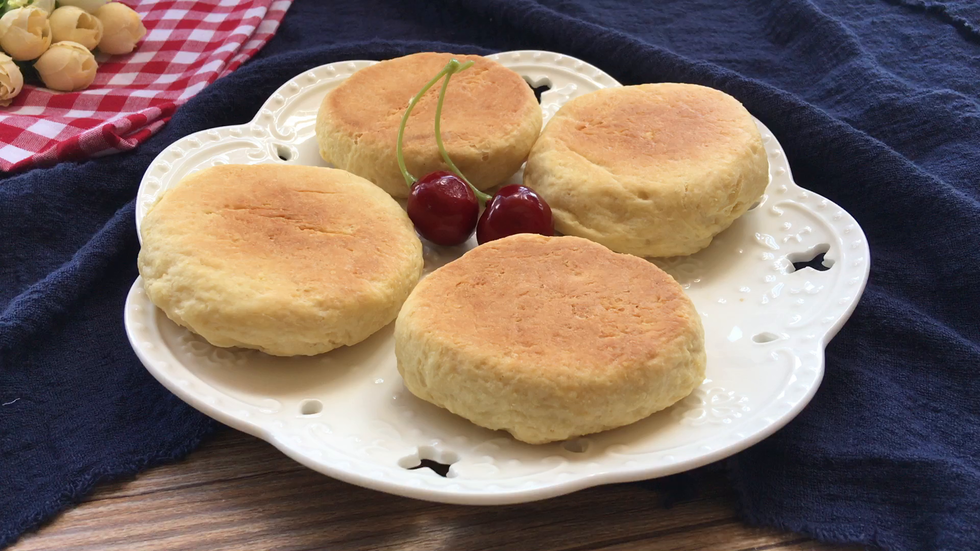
x,y
238,492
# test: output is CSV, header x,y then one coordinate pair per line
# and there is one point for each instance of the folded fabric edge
x,y
834,535
76,490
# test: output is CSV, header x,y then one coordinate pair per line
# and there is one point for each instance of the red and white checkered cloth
x,y
188,44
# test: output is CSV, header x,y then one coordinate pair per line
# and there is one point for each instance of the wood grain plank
x,y
240,493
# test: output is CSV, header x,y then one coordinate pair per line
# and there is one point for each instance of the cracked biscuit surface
x,y
289,260
549,338
653,170
490,120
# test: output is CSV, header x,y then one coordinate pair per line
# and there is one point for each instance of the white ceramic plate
x,y
347,414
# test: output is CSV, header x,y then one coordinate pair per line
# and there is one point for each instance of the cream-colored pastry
x,y
490,120
549,338
25,33
75,25
289,260
122,28
67,66
652,170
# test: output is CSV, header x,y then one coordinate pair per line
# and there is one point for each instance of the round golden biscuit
x,y
549,338
653,170
490,120
289,260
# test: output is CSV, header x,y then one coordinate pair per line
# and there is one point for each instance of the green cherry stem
x,y
483,197
447,72
409,179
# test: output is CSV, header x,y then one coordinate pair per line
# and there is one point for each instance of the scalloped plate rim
x,y
495,497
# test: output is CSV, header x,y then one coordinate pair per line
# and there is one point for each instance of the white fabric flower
x,y
11,80
25,33
46,5
87,5
121,28
76,25
67,66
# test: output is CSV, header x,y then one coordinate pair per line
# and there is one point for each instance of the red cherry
x,y
443,208
514,209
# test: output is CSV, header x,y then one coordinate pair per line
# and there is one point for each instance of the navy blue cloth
x,y
875,102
